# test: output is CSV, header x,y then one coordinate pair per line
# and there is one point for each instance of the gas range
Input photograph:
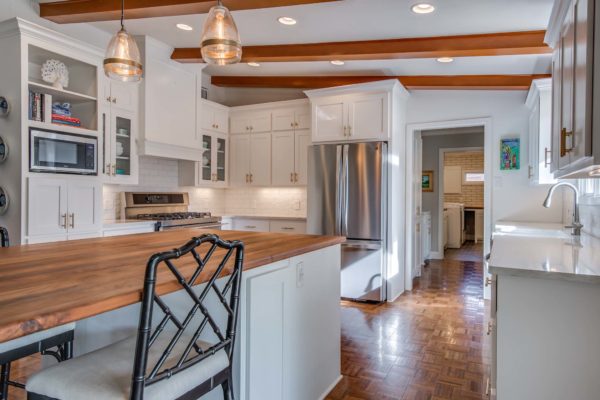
x,y
170,210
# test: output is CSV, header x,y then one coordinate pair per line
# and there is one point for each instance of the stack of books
x,y
61,114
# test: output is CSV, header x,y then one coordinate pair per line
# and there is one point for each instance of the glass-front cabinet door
x,y
212,170
121,161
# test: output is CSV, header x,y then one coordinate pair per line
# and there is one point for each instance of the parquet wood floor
x,y
430,344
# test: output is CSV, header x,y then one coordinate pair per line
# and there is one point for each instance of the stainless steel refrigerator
x,y
347,196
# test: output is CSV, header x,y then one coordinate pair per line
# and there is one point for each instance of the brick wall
x,y
472,195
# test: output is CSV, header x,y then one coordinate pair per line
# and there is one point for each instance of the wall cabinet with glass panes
x,y
212,170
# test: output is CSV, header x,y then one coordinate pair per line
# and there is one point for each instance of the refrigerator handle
x,y
345,173
338,190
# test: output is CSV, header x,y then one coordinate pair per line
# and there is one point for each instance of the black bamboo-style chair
x,y
57,342
172,358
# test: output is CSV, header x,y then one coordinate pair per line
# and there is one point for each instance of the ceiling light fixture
x,y
221,43
337,62
445,60
184,27
122,61
287,21
423,8
253,64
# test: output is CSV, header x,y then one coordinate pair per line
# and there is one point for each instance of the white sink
x,y
532,229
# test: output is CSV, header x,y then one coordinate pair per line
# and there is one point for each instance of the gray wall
x,y
431,159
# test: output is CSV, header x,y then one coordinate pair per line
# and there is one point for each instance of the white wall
x,y
512,196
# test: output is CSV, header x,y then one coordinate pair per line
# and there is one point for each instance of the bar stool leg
x,y
4,376
68,354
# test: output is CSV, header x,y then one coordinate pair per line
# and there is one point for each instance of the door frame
x,y
410,204
439,254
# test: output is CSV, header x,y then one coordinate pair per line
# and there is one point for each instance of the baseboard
x,y
436,255
330,388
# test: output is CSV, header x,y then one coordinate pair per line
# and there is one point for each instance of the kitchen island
x,y
288,344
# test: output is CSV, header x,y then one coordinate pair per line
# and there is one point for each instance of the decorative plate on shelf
x,y
56,73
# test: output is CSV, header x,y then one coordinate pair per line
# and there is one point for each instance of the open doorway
x,y
428,199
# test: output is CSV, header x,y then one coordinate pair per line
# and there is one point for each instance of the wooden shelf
x,y
62,128
60,94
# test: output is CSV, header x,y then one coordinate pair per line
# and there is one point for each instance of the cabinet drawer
x,y
250,225
283,226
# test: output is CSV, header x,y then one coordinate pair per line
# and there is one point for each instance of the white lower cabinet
x,y
62,209
285,356
250,225
287,226
128,229
265,225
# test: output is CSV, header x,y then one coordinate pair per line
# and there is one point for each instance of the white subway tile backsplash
x,y
158,174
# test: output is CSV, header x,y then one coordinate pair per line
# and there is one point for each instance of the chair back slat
x,y
201,251
4,242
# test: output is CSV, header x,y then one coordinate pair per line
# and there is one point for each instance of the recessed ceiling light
x,y
287,21
423,8
337,62
253,64
184,27
445,60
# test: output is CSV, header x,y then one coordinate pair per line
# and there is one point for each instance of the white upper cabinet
x,y
329,123
212,116
250,122
168,105
213,170
250,159
575,148
283,164
367,117
357,112
539,101
291,118
239,164
122,95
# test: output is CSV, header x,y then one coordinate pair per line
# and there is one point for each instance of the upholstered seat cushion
x,y
105,374
35,337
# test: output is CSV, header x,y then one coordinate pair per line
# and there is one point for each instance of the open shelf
x,y
62,128
60,95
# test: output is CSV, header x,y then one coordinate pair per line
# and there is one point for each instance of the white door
x,y
219,159
47,207
302,139
260,121
265,335
239,124
284,120
124,96
84,208
329,123
302,118
367,117
567,44
206,115
206,172
240,160
283,158
260,159
125,161
221,118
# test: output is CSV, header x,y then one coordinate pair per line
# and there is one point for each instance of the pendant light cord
x,y
122,14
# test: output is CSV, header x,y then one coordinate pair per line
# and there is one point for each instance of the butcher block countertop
x,y
47,285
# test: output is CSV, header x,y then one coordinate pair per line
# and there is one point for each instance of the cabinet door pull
x,y
563,142
345,128
292,177
114,100
251,178
109,99
64,221
250,227
546,162
349,131
114,170
489,328
72,224
292,124
246,178
530,174
287,228
488,281
108,169
295,177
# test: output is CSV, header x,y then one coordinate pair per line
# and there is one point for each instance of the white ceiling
x,y
363,20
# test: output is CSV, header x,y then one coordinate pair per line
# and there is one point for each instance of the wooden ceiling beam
x,y
75,11
428,82
492,44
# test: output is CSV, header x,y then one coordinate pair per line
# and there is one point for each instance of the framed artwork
x,y
427,181
510,154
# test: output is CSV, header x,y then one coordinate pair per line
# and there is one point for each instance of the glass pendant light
x,y
123,61
221,43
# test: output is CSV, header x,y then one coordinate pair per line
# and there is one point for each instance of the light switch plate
x,y
300,275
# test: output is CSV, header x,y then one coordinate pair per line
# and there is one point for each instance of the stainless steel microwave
x,y
60,152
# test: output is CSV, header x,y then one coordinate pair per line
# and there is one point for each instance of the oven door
x,y
62,153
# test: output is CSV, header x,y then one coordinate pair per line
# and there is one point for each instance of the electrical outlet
x,y
300,275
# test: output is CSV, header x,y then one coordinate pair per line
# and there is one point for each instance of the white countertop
x,y
544,251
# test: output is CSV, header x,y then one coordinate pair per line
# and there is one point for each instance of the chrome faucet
x,y
576,226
